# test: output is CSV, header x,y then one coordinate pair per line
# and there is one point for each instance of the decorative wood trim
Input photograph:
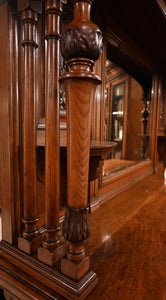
x,y
35,5
80,49
7,143
116,183
51,277
52,249
30,215
120,175
78,219
16,124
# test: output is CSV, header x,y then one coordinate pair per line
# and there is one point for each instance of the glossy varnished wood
x,y
51,240
81,45
127,226
9,125
98,151
131,243
129,238
30,216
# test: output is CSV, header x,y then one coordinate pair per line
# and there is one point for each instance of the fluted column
x,y
81,45
31,237
52,249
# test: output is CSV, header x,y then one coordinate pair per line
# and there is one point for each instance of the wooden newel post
x,y
31,237
52,249
81,46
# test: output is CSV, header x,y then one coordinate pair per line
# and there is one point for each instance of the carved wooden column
x,y
31,238
145,115
52,249
81,45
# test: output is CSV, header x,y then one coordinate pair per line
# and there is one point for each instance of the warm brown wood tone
x,y
98,151
9,125
31,238
79,84
131,244
52,249
129,238
120,249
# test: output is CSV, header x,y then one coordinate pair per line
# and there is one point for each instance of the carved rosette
x,y
76,225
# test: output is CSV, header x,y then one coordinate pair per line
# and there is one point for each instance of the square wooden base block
x,y
75,270
50,257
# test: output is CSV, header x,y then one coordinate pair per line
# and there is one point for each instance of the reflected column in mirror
x,y
123,119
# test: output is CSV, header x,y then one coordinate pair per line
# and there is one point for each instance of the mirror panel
x,y
126,116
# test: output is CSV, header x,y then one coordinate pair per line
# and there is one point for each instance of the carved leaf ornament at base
x,y
76,225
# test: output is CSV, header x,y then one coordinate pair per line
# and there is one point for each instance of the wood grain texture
x,y
132,255
127,248
78,141
9,125
81,46
52,249
52,154
30,214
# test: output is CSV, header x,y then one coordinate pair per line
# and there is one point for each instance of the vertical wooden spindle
x,y
52,249
145,115
81,45
31,238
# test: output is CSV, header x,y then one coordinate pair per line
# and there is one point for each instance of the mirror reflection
x,y
127,119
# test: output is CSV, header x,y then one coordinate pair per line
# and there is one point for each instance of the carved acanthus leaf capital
x,y
81,43
81,38
76,225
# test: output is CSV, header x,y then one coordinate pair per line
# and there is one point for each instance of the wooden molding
x,y
35,5
49,280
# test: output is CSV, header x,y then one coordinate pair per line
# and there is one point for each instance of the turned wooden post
x,y
52,249
81,46
145,115
31,238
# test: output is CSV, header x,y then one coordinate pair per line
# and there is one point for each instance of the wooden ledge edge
x,y
51,277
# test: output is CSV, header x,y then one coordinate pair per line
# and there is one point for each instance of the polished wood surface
x,y
30,216
98,151
129,238
51,240
9,125
140,49
78,152
81,46
114,165
96,147
130,242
